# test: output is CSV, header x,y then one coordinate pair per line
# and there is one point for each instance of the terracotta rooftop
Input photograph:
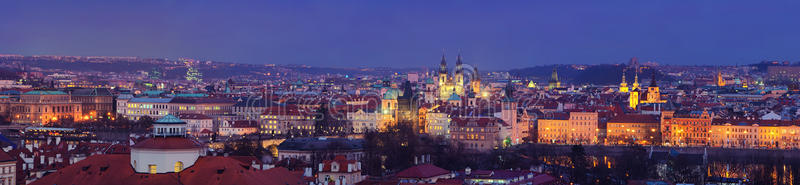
x,y
167,143
422,171
4,156
116,169
635,118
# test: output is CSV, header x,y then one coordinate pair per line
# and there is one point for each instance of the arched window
x,y
178,166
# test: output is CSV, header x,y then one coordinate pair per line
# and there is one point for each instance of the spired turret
x,y
623,87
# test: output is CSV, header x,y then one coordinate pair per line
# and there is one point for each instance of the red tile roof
x,y
116,169
167,143
635,118
341,160
5,157
422,171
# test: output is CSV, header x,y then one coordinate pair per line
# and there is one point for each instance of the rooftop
x,y
116,168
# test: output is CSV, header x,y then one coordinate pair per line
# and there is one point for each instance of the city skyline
x,y
402,35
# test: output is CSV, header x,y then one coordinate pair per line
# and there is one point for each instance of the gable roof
x,y
422,171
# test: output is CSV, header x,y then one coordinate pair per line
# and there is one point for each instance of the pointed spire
x,y
444,63
623,76
458,60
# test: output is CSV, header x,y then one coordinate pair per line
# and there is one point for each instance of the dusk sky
x,y
492,34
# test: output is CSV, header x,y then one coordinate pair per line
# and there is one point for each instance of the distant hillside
x,y
175,70
605,74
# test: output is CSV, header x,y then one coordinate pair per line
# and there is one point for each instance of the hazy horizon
x,y
402,34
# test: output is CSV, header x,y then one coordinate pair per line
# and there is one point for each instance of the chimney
x,y
416,160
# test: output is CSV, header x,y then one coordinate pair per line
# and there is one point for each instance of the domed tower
x,y
168,150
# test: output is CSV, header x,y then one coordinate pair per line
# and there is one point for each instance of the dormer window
x,y
334,167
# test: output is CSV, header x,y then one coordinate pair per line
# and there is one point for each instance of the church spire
x,y
458,59
623,77
443,65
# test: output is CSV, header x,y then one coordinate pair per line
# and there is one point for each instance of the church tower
x,y
720,80
509,114
459,78
554,82
653,93
633,98
443,71
476,82
623,87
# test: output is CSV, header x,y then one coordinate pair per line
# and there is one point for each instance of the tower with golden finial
x,y
623,87
633,98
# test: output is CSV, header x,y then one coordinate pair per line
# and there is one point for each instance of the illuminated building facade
x,y
773,134
554,128
479,133
43,107
286,120
365,120
583,127
633,129
438,124
136,108
95,103
686,129
238,127
198,124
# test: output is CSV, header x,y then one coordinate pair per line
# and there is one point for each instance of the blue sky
x,y
492,34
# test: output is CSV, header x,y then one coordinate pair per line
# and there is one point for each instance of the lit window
x,y
178,166
152,168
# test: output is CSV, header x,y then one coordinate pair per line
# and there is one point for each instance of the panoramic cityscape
x,y
389,93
